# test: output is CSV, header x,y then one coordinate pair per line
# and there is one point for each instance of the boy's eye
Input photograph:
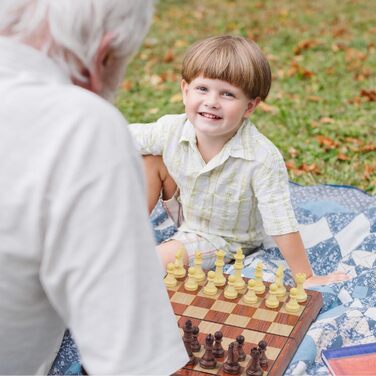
x,y
228,94
202,88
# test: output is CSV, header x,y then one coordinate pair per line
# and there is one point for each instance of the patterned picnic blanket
x,y
338,227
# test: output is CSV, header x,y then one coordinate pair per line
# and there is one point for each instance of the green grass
x,y
316,91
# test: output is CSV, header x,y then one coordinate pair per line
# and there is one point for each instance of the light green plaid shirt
x,y
235,197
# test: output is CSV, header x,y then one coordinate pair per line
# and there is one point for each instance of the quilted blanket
x,y
338,226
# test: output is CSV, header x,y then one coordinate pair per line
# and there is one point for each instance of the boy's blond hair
x,y
233,59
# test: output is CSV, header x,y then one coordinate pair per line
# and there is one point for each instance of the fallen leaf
x,y
305,45
314,98
369,94
309,167
267,108
295,68
126,85
367,148
176,98
327,142
155,80
152,111
180,43
327,120
290,165
369,170
354,140
169,56
342,157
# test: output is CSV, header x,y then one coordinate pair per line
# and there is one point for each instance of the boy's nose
x,y
212,101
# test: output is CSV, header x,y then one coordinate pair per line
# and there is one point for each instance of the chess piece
x,y
170,280
208,359
191,282
259,284
238,266
179,271
279,280
272,300
301,295
200,275
230,290
250,297
254,368
195,344
218,350
187,339
219,278
262,348
210,288
292,305
232,365
240,342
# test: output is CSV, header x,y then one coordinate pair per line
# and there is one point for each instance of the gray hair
x,y
76,27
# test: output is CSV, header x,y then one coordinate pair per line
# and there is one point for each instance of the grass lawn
x,y
321,111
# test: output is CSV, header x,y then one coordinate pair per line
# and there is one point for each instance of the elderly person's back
x,y
76,248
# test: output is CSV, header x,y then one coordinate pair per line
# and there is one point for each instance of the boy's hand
x,y
334,277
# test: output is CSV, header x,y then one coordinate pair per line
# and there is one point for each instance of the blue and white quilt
x,y
338,227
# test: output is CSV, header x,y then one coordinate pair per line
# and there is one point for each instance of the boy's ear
x,y
184,89
252,104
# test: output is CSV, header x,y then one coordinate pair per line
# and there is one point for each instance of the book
x,y
351,360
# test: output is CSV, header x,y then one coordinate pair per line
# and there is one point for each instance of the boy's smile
x,y
215,107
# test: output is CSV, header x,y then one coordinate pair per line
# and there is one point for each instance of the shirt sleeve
x,y
150,138
99,267
270,185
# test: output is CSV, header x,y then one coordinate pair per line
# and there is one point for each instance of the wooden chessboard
x,y
282,331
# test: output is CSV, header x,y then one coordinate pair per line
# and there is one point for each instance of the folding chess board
x,y
282,331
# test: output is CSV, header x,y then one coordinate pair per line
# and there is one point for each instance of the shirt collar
x,y
239,146
18,58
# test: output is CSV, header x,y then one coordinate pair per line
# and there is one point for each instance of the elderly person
x,y
76,247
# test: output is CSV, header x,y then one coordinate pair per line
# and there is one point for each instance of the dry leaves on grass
x,y
303,168
296,69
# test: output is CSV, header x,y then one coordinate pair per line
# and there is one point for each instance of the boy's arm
x,y
292,249
149,138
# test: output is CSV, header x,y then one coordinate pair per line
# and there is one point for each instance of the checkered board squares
x,y
235,312
283,331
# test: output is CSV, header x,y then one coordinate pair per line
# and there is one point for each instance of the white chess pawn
x,y
170,280
272,300
219,278
200,275
179,271
191,282
259,284
292,305
279,280
230,290
238,266
210,287
250,297
301,295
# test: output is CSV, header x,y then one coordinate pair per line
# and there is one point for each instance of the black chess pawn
x,y
218,350
187,339
232,365
208,360
263,359
195,345
254,368
240,342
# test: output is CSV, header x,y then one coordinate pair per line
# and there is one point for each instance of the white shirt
x,y
236,196
76,246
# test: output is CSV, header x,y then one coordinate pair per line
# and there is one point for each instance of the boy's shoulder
x,y
262,149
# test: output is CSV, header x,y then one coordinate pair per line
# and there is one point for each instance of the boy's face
x,y
215,107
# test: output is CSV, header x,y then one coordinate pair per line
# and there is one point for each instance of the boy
x,y
222,181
